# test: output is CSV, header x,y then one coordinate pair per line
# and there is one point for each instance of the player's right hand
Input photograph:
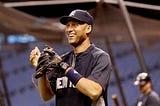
x,y
34,56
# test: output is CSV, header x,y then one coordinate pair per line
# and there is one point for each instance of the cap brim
x,y
136,83
65,19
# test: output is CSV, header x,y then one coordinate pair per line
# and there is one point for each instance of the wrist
x,y
68,69
73,75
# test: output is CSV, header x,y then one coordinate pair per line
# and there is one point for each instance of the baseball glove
x,y
47,62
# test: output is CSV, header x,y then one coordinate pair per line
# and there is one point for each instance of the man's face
x,y
144,88
76,33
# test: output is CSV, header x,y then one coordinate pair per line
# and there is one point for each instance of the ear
x,y
88,29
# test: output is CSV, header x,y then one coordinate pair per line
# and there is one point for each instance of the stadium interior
x,y
25,24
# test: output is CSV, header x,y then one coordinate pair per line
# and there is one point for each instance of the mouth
x,y
71,36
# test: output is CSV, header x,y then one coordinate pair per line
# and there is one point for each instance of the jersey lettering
x,y
63,82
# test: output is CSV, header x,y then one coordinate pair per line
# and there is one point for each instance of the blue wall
x,y
18,72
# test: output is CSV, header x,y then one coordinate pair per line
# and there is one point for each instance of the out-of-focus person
x,y
148,96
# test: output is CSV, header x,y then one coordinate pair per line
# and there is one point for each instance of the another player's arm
x,y
88,87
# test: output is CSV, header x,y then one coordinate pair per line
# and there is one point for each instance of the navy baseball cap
x,y
142,78
78,15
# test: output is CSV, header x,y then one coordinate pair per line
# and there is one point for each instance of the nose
x,y
69,29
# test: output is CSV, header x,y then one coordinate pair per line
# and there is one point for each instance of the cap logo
x,y
72,13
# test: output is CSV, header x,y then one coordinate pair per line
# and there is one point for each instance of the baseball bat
x,y
115,100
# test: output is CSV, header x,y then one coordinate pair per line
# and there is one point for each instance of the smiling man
x,y
87,68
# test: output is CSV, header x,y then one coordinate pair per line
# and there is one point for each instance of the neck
x,y
148,91
82,47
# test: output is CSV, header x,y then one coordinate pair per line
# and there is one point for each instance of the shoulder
x,y
153,94
66,55
100,56
153,98
98,52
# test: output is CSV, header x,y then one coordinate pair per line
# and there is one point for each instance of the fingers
x,y
34,56
37,51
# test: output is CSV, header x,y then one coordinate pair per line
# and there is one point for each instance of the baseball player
x,y
81,76
148,96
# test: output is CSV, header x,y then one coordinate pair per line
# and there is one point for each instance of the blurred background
x,y
128,30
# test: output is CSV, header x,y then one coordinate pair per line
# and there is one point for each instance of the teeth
x,y
71,35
